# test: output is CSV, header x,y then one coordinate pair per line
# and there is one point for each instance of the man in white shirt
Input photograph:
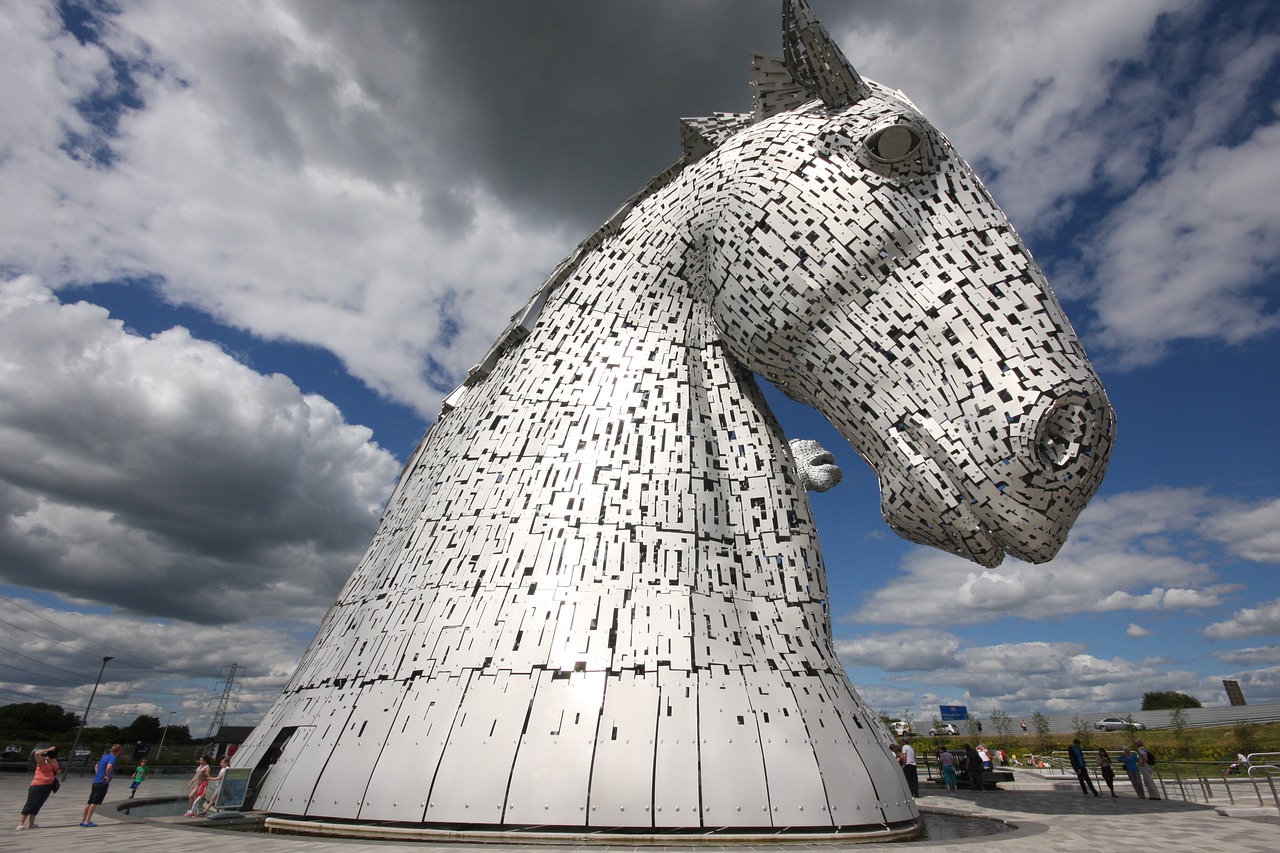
x,y
909,768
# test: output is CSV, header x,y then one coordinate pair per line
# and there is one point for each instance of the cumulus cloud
x,y
1121,556
158,475
157,667
1251,531
1250,656
1136,630
1054,677
1248,622
900,651
312,173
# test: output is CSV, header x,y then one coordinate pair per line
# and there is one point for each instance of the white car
x,y
901,727
944,729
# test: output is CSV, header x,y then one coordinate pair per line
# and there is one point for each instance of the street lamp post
x,y
160,748
85,719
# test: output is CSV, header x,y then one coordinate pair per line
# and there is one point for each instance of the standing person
x,y
909,768
1108,772
139,776
1145,762
1082,770
1130,762
101,781
197,785
948,764
1024,727
41,786
974,762
215,785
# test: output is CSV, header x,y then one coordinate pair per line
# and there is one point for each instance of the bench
x,y
991,779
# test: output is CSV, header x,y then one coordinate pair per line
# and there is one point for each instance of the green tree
x,y
1003,725
1246,736
1082,729
1041,723
1167,700
26,720
1178,725
144,729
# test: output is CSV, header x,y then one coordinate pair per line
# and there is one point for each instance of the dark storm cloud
x,y
615,77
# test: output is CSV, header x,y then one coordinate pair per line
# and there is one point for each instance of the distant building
x,y
226,741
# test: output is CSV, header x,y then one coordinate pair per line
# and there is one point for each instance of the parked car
x,y
944,729
901,727
1115,724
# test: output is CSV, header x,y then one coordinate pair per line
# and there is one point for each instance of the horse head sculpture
x,y
596,599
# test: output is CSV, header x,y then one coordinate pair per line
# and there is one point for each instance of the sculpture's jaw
x,y
1017,493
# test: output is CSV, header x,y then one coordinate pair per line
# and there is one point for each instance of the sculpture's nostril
x,y
1068,435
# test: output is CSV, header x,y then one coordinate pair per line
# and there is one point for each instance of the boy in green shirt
x,y
138,776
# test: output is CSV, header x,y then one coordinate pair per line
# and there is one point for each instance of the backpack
x,y
1151,758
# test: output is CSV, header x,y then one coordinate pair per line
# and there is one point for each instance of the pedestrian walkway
x,y
1051,814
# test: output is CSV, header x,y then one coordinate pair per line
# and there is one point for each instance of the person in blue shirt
x,y
1082,770
101,780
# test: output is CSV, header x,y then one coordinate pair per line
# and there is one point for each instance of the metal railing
x,y
1264,765
1191,781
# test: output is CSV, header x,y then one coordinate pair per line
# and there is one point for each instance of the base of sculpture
x,y
903,831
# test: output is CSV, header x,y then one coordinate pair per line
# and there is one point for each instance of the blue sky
x,y
247,248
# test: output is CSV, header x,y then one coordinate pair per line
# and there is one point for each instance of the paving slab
x,y
1051,815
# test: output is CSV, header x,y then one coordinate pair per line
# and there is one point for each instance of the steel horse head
x,y
596,601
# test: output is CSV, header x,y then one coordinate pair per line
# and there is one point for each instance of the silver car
x,y
944,729
1115,724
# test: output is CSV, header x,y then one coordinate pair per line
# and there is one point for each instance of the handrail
x,y
1269,765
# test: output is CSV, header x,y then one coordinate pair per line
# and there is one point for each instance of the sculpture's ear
x,y
815,61
773,89
701,136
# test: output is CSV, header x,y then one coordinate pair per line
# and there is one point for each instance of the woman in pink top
x,y
41,786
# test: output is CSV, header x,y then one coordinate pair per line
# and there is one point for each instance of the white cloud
x,y
1053,677
1248,622
1184,256
1121,556
1054,102
262,184
900,651
1253,532
1136,630
161,476
1250,656
158,666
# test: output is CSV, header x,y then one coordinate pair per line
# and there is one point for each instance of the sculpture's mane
x,y
813,68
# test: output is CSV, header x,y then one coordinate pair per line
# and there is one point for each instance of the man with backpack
x,y
1146,760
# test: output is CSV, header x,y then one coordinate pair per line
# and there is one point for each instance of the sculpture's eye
x,y
894,143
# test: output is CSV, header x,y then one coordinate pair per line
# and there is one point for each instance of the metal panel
x,y
676,797
797,796
734,792
622,785
399,784
471,783
269,798
356,752
552,773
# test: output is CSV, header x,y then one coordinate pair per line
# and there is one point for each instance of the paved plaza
x,y
1051,814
